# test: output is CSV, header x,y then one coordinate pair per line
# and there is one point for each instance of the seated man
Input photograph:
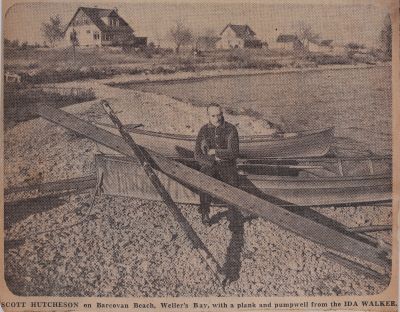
x,y
216,150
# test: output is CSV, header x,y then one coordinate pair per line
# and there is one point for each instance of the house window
x,y
88,31
96,36
113,22
107,37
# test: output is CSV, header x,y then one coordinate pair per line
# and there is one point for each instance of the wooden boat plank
x,y
352,265
371,228
293,193
80,183
292,222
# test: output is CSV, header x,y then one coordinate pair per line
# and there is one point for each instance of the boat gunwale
x,y
243,139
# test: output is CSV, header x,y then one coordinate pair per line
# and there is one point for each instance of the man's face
x,y
215,115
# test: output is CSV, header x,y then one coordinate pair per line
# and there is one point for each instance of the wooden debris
x,y
176,212
306,228
381,278
371,228
81,183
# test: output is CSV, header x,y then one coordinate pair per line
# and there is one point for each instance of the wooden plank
x,y
371,228
371,166
340,167
81,183
166,197
354,266
299,225
278,166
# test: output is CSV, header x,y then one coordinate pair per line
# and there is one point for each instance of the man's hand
x,y
211,152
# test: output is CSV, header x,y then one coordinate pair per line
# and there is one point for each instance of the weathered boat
x,y
310,143
304,182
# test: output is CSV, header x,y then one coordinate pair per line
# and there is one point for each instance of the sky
x,y
343,22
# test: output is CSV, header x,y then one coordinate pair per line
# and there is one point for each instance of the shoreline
x,y
39,151
160,112
122,81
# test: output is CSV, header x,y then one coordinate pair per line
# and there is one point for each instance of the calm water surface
x,y
357,102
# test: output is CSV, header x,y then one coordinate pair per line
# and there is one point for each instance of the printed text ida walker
x,y
196,305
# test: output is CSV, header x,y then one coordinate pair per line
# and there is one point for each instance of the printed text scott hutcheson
x,y
39,304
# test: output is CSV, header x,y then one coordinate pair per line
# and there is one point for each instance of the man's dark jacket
x,y
224,139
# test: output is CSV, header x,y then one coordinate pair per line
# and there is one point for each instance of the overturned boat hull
x,y
125,177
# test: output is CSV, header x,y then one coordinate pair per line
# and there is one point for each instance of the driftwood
x,y
299,225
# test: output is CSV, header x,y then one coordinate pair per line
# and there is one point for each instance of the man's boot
x,y
205,219
205,214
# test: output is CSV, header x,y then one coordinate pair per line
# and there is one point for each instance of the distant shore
x,y
125,80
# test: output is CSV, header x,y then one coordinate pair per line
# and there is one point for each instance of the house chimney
x,y
116,9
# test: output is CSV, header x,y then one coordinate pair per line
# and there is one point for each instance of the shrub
x,y
183,63
325,59
263,64
64,75
239,56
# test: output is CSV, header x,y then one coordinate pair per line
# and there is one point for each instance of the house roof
x,y
241,31
322,42
325,42
96,15
287,38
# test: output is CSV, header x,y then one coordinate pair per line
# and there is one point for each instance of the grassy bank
x,y
39,65
19,101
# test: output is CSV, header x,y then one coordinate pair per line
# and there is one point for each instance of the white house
x,y
99,27
238,36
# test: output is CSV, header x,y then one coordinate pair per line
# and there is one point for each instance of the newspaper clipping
x,y
184,155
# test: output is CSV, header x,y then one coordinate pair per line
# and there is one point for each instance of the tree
x,y
53,31
386,36
73,37
24,45
14,43
181,35
355,46
306,34
206,39
7,42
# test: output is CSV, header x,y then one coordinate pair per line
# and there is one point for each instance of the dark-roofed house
x,y
289,43
238,36
99,27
